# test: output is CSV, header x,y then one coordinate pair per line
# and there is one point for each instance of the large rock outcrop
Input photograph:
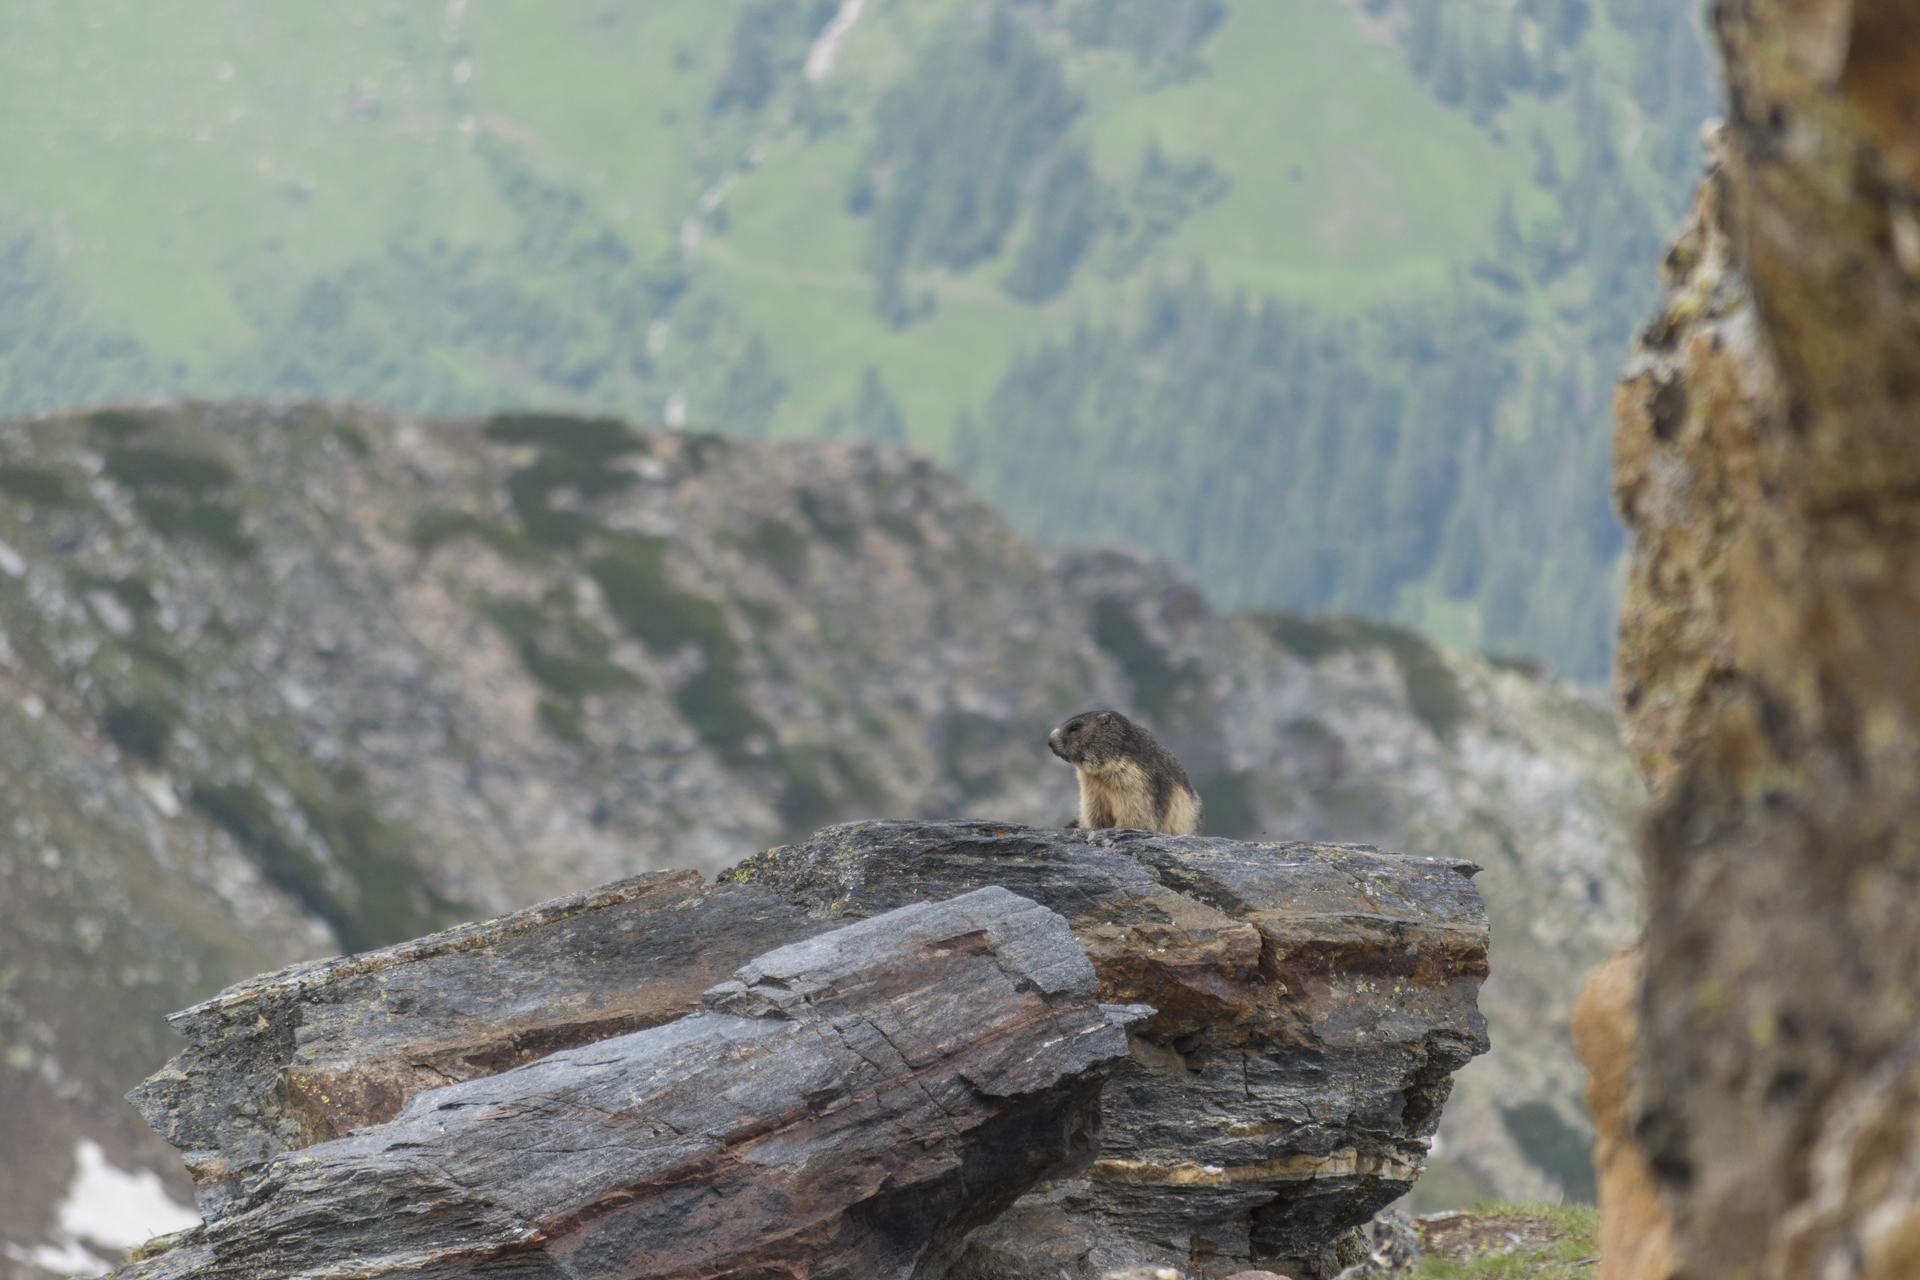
x,y
1312,1004
1768,463
848,1106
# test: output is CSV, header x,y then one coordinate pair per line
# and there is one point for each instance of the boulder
x,y
849,1105
1312,1004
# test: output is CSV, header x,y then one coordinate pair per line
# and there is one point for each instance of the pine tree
x,y
877,417
1519,68
1450,70
1486,72
1546,166
1423,37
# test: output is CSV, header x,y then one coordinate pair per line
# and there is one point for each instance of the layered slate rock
x,y
1313,1002
313,1052
849,1105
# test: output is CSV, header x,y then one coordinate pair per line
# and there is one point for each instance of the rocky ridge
x,y
324,677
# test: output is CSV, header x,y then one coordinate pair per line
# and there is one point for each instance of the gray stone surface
x,y
845,1106
1313,1002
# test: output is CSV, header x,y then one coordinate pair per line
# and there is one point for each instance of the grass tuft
x,y
36,485
384,897
140,729
565,433
141,468
213,522
432,528
1569,1257
633,579
782,547
118,424
1157,683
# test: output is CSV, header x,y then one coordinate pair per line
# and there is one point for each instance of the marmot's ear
x,y
1106,717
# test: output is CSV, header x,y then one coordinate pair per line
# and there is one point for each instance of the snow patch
x,y
159,793
108,1207
113,615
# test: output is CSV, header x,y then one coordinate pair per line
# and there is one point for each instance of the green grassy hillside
x,y
1321,299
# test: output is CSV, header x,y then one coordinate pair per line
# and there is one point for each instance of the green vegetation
x,y
769,44
212,522
139,469
954,143
248,817
1087,249
1227,805
1157,683
142,730
781,546
875,417
632,577
564,652
586,439
36,485
1162,37
118,424
1553,1145
1432,690
575,455
828,520
172,492
432,528
808,801
963,735
1569,1257
375,894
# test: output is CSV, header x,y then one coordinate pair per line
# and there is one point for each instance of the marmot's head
x,y
1092,738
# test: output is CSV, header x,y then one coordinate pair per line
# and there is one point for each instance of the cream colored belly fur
x,y
1119,795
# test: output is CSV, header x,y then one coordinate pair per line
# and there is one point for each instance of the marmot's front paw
x,y
1071,823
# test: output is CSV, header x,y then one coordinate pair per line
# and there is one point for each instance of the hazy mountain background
x,y
1321,300
278,681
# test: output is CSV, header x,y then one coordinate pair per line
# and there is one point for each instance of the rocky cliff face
x,y
326,678
1767,461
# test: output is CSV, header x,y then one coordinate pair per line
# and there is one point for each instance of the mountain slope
x,y
796,218
283,680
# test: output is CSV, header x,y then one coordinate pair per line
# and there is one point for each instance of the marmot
x,y
1126,778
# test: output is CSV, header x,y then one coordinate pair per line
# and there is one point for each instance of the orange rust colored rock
x,y
1198,966
1636,1230
1768,466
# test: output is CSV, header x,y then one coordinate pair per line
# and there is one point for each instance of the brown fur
x,y
1127,779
